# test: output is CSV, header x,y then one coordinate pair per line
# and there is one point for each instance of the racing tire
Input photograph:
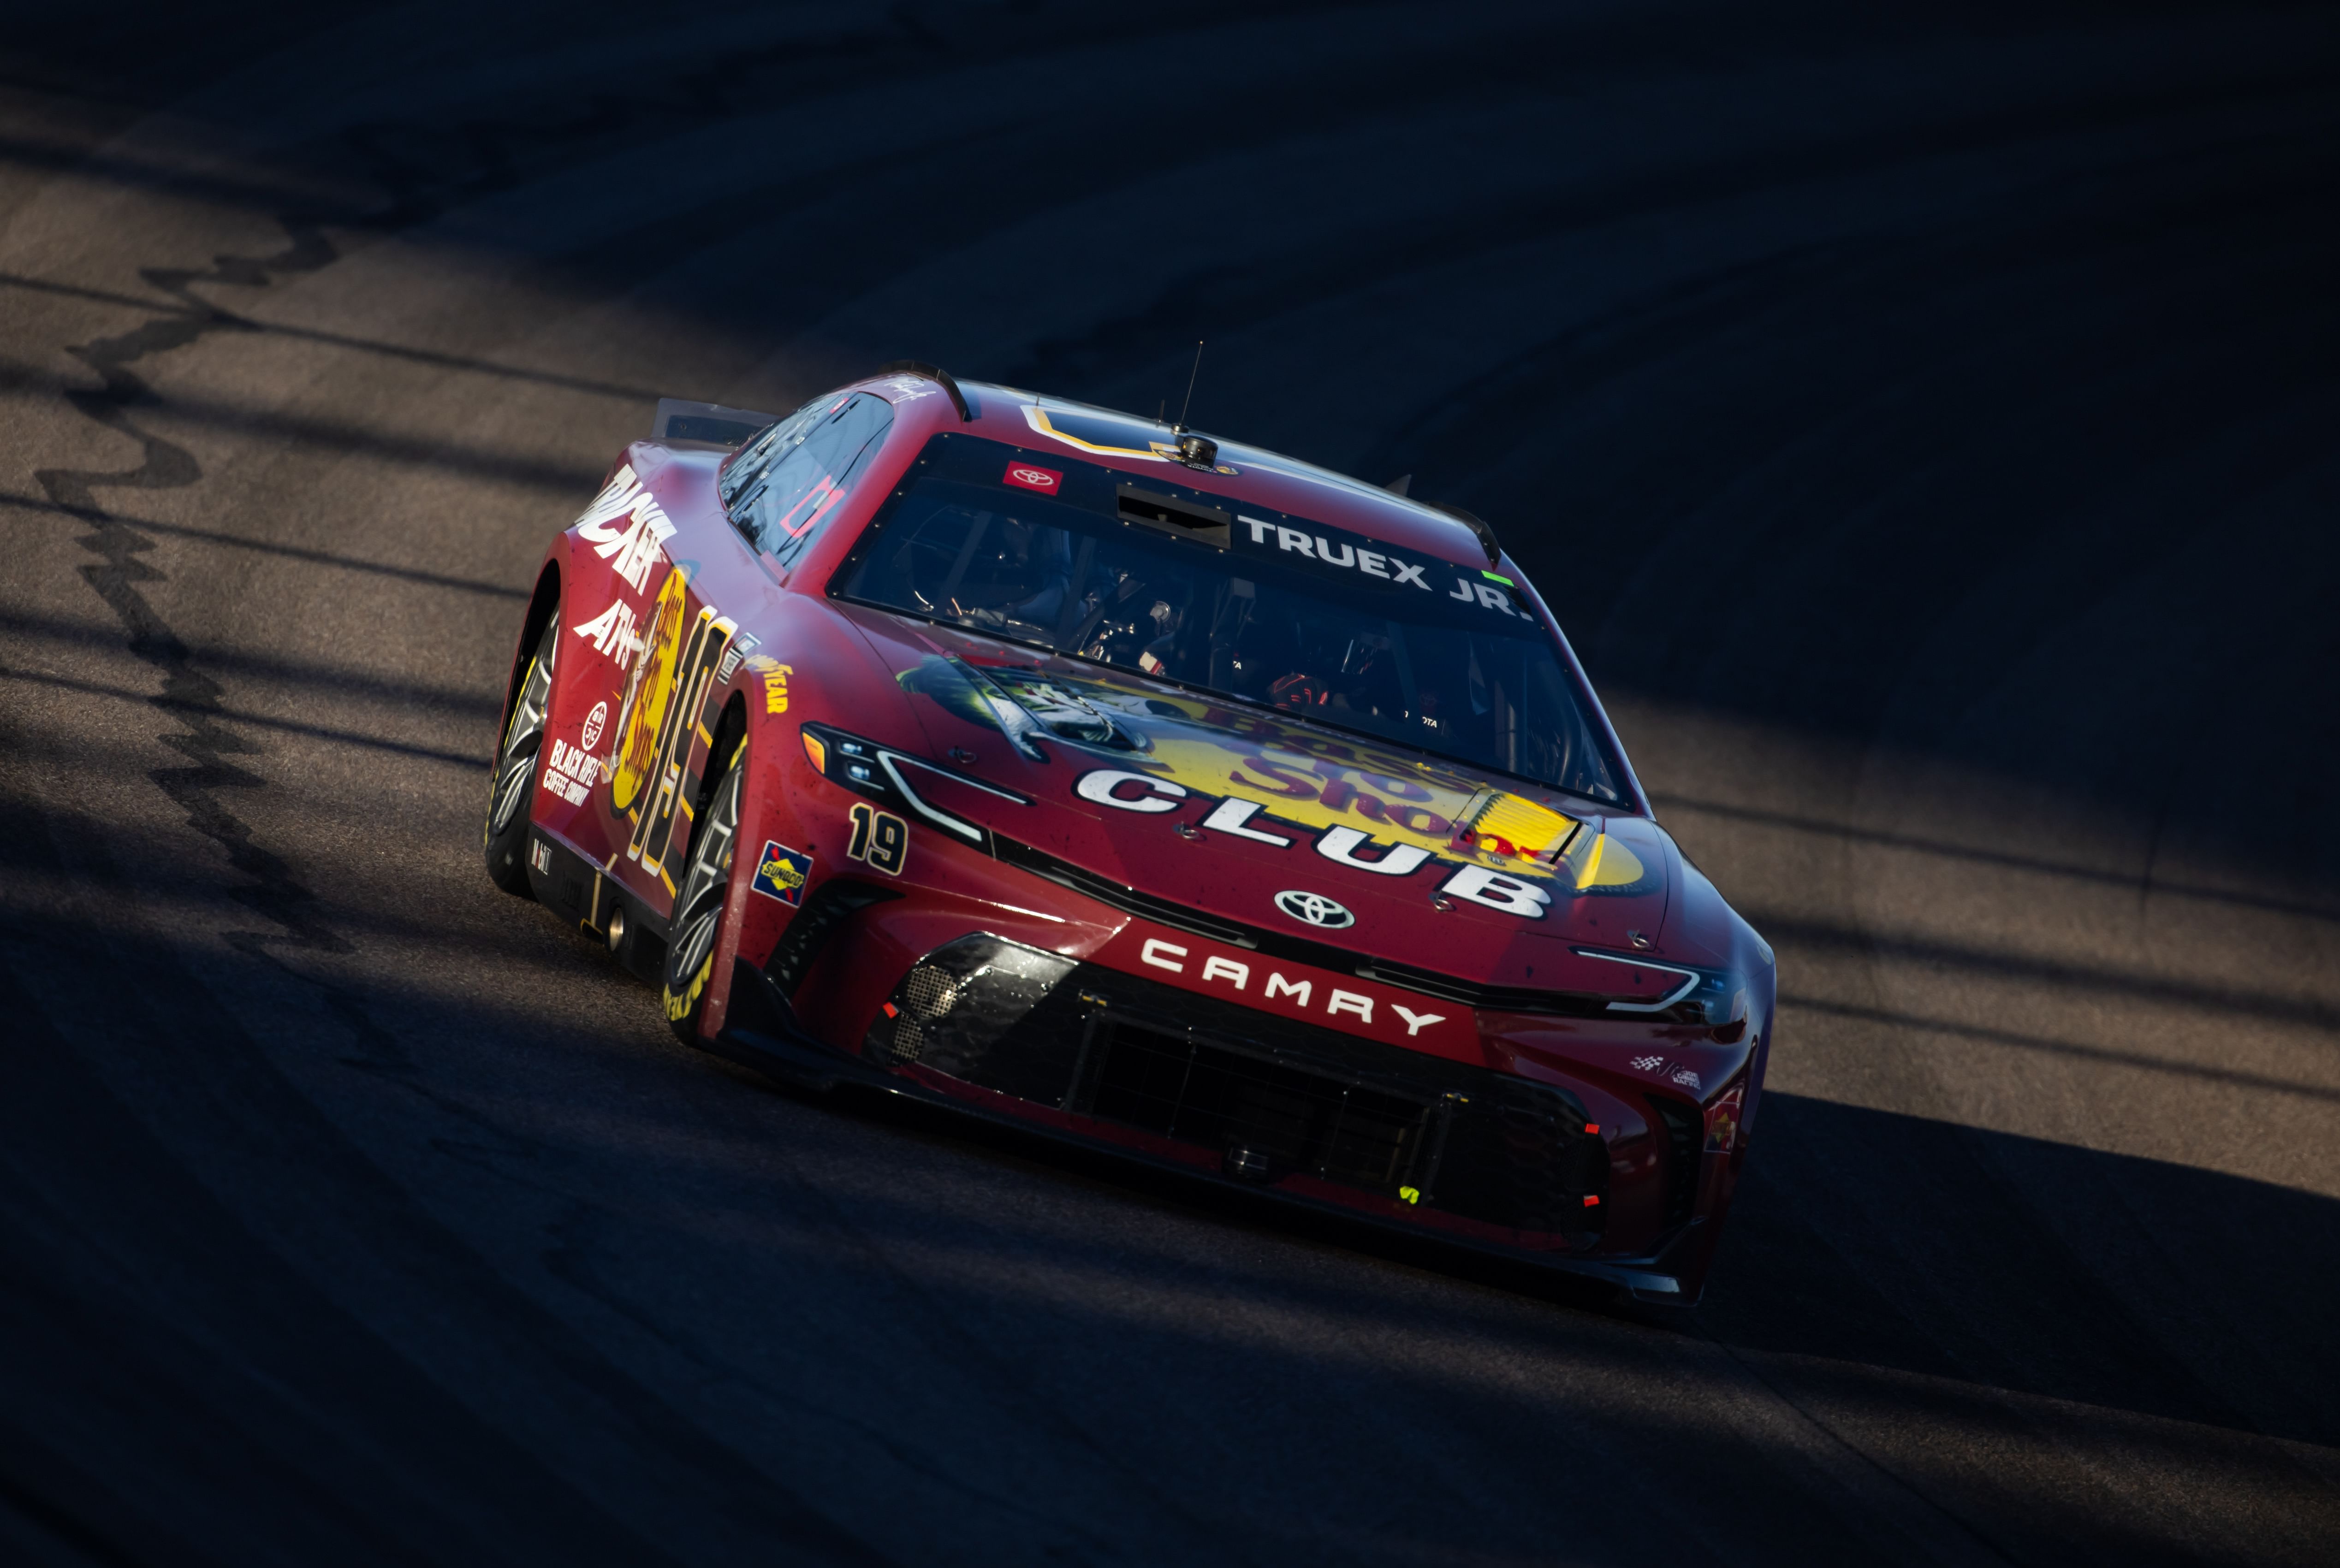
x,y
698,904
510,779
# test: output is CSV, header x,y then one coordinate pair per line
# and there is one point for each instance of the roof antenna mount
x,y
1195,451
1180,428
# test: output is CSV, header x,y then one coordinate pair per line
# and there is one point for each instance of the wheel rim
x,y
516,765
698,909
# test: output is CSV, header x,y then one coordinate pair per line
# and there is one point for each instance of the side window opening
x,y
783,487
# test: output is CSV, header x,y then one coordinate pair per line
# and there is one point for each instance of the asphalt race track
x,y
1923,419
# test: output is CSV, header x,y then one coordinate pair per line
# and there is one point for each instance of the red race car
x,y
1157,793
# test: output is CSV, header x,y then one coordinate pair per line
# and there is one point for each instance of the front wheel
x,y
510,783
699,905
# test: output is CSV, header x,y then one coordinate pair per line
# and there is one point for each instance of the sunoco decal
x,y
781,873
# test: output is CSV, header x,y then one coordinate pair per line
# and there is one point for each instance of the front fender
x,y
806,663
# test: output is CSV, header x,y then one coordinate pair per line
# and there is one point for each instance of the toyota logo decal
x,y
1315,909
1032,476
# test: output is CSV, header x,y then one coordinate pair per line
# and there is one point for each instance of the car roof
x,y
1096,434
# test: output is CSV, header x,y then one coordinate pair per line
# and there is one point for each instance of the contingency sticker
x,y
775,676
612,633
570,772
781,872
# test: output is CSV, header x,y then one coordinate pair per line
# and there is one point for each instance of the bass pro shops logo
x,y
1145,794
1315,909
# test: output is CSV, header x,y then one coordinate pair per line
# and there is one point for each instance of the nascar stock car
x,y
1159,793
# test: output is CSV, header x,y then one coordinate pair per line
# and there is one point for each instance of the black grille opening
x,y
1284,1095
952,1011
1523,1155
831,905
1682,1140
1297,1121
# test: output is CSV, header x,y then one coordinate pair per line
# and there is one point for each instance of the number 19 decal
x,y
880,838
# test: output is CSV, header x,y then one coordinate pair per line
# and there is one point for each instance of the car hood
x,y
1058,730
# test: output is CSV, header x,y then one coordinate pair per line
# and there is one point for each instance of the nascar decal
x,y
625,525
781,873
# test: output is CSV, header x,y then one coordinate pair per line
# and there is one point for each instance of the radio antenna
x,y
1190,386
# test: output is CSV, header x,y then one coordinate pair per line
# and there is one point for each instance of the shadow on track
x,y
1919,418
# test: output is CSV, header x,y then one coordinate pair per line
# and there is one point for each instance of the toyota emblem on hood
x,y
1314,909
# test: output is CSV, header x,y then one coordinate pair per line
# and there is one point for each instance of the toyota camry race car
x,y
1159,793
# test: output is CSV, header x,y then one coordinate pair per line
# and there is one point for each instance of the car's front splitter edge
x,y
771,1044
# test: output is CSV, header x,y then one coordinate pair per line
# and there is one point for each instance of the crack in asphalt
x,y
486,155
120,576
192,698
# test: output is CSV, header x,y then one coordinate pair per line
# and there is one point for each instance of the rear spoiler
x,y
680,420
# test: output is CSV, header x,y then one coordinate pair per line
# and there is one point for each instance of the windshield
x,y
1251,604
